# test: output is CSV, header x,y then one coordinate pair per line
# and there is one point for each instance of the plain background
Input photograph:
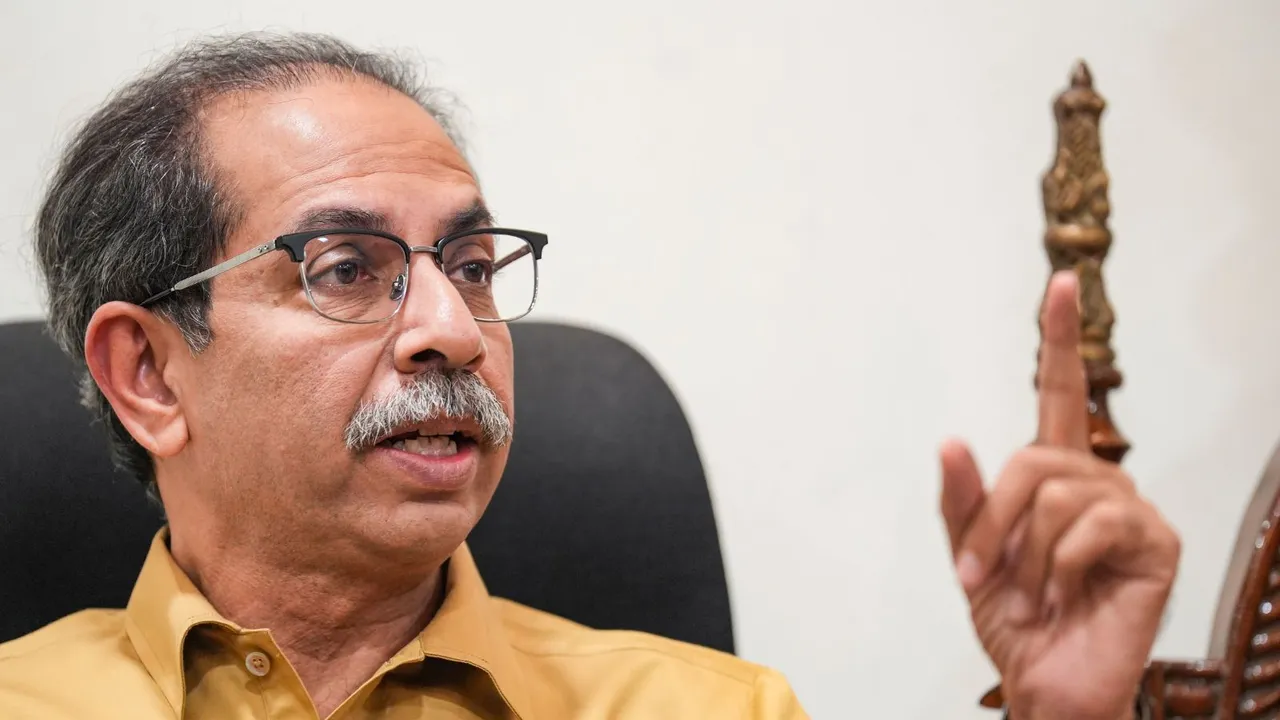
x,y
821,219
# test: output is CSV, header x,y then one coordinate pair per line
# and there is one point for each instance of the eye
x,y
469,261
334,270
346,272
475,272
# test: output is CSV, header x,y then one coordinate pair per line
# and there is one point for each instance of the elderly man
x,y
290,301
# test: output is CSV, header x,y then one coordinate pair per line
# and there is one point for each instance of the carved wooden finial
x,y
1076,237
1082,78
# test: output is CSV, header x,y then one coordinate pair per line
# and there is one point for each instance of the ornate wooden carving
x,y
1077,237
1076,208
1241,678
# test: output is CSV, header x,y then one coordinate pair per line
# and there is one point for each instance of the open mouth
x,y
428,445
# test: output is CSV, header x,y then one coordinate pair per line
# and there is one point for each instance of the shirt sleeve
x,y
773,699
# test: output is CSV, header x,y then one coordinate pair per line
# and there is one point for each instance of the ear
x,y
126,349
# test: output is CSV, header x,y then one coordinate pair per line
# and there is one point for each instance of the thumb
x,y
962,491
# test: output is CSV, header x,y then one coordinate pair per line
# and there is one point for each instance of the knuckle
x,y
1055,497
1030,465
1067,558
1030,456
1112,518
1023,456
1122,522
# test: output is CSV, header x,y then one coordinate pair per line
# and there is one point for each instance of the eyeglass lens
x,y
353,277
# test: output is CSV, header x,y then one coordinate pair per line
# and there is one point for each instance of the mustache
x,y
432,395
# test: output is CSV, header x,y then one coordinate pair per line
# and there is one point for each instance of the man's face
x,y
268,402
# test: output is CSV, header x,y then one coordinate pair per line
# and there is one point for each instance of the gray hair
x,y
134,206
454,394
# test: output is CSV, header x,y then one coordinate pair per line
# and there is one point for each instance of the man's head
x,y
263,413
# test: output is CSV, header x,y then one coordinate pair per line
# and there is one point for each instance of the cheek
x,y
316,395
498,370
284,388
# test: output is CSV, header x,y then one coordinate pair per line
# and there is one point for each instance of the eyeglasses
x,y
362,276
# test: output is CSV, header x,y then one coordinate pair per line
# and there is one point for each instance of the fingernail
x,y
969,569
1020,609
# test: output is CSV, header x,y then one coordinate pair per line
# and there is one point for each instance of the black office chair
x,y
603,515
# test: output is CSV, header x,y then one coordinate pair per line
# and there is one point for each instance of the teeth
x,y
431,446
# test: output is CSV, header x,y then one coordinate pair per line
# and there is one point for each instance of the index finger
x,y
1060,378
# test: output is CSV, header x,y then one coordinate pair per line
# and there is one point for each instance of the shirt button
x,y
257,663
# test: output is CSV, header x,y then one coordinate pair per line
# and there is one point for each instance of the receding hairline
x,y
296,77
130,204
212,107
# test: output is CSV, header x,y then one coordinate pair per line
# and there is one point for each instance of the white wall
x,y
822,220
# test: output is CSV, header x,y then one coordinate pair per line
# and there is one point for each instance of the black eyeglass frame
x,y
294,244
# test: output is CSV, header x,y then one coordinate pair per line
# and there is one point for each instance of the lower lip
x,y
433,472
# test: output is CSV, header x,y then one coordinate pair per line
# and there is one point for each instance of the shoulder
x,y
647,664
534,632
87,630
65,668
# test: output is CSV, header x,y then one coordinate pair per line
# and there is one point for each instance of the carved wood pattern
x,y
1247,635
1181,691
1077,237
1242,677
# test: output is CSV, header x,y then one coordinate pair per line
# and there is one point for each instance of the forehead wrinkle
x,y
290,209
266,181
327,159
331,170
428,152
424,151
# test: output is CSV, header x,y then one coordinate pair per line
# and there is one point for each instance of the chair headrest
x,y
603,515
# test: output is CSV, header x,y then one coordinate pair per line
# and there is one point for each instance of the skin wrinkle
x,y
308,180
355,530
133,201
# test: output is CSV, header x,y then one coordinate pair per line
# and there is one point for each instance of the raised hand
x,y
1067,569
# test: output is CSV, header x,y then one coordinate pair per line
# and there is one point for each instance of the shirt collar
x,y
166,605
468,629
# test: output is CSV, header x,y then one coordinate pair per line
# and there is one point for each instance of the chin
x,y
425,528
415,533
420,508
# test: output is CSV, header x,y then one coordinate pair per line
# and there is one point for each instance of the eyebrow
x,y
343,217
476,215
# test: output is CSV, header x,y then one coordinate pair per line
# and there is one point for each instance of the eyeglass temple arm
x,y
497,264
214,271
503,262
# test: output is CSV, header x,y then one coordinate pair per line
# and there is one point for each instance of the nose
x,y
436,327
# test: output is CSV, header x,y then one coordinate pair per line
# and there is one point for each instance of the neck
x,y
336,628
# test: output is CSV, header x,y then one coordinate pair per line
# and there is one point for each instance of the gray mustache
x,y
435,394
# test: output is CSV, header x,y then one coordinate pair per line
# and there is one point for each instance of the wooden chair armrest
x,y
1170,689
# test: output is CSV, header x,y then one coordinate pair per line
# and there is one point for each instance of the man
x,y
280,273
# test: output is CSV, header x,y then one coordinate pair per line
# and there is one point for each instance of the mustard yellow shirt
x,y
169,654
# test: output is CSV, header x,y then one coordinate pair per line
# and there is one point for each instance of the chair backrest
x,y
1241,675
603,515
